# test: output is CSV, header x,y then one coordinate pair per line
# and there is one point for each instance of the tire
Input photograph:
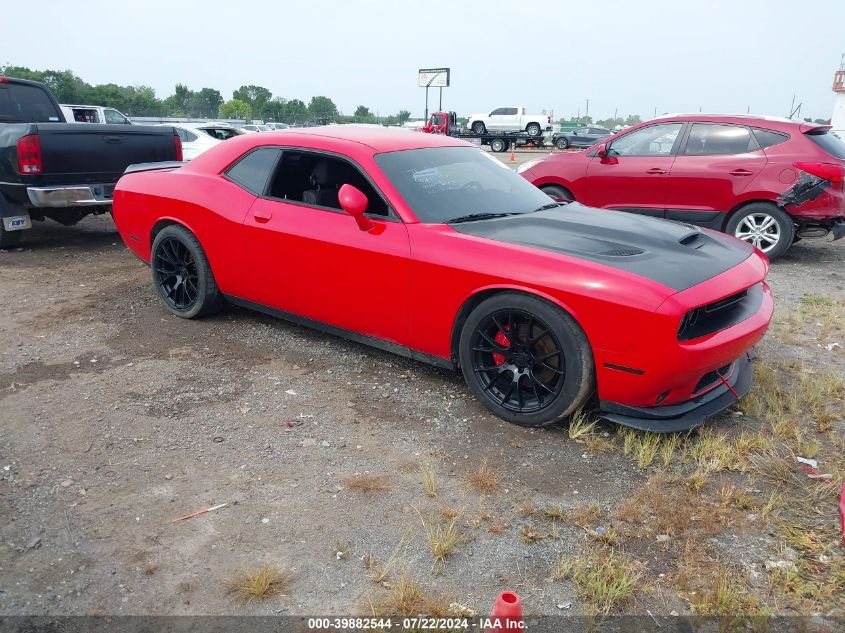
x,y
9,239
765,226
546,338
562,143
479,128
557,192
534,129
498,145
182,275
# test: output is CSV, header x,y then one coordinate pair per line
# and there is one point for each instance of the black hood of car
x,y
674,254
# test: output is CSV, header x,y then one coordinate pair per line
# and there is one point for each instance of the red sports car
x,y
426,246
767,181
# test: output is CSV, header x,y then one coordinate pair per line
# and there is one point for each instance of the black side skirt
x,y
684,416
364,339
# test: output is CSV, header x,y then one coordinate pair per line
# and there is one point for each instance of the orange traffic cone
x,y
513,148
507,613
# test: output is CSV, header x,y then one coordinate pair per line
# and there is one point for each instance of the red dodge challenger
x,y
428,247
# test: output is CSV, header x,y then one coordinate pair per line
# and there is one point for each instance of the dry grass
x,y
606,536
429,481
150,569
368,483
580,424
442,536
726,596
525,508
379,571
554,512
530,534
406,598
586,516
601,580
484,479
644,447
630,511
260,583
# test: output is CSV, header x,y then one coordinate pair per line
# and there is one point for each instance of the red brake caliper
x,y
502,340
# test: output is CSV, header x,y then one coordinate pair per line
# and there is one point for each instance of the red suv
x,y
768,181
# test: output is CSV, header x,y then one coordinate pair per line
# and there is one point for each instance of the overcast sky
x,y
630,55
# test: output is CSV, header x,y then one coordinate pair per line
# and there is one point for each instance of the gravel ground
x,y
118,417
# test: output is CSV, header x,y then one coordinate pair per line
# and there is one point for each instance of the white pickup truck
x,y
510,119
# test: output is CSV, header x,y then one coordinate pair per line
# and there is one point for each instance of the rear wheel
x,y
562,143
533,129
498,145
9,239
765,226
525,359
478,128
182,274
557,192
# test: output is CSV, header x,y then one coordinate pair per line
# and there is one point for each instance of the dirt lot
x,y
117,417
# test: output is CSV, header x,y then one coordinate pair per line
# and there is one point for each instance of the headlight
x,y
526,166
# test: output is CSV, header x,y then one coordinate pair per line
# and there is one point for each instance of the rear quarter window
x,y
830,143
253,170
767,138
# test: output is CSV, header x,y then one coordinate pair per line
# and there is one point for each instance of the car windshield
x,y
441,184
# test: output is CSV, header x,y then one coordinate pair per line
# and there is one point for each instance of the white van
x,y
93,114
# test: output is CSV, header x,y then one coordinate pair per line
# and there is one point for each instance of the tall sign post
x,y
433,78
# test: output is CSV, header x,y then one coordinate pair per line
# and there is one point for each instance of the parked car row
x,y
767,181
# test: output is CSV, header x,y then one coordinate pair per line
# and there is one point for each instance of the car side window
x,y
314,179
710,139
498,111
115,118
510,111
253,169
767,138
654,140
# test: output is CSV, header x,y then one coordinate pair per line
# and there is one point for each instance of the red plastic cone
x,y
513,156
507,613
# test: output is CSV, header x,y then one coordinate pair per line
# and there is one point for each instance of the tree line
x,y
248,102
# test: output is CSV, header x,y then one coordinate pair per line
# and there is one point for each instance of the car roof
x,y
380,139
770,122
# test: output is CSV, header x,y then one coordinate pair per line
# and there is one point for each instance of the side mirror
x,y
354,202
602,151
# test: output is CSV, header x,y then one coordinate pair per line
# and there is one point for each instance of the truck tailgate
x,y
91,153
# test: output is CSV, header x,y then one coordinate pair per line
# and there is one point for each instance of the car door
x,y
498,119
306,257
634,174
715,164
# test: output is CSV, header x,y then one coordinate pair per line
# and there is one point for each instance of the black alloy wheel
x,y
526,359
182,274
518,360
176,274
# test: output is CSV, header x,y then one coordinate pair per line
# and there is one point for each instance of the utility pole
x,y
587,112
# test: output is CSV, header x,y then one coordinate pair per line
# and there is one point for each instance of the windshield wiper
x,y
550,205
478,216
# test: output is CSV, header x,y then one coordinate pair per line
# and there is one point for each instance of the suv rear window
x,y
830,143
767,138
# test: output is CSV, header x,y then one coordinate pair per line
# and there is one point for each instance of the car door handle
x,y
262,216
655,170
741,172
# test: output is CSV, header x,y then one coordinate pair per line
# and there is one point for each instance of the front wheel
x,y
478,128
765,226
182,274
533,129
526,360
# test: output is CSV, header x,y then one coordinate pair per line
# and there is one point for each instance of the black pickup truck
x,y
63,171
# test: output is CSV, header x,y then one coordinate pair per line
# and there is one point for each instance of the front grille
x,y
712,378
720,314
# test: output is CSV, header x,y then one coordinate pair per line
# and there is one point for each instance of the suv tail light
x,y
29,155
825,171
177,143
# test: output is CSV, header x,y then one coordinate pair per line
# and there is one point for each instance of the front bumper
x,y
70,195
686,415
